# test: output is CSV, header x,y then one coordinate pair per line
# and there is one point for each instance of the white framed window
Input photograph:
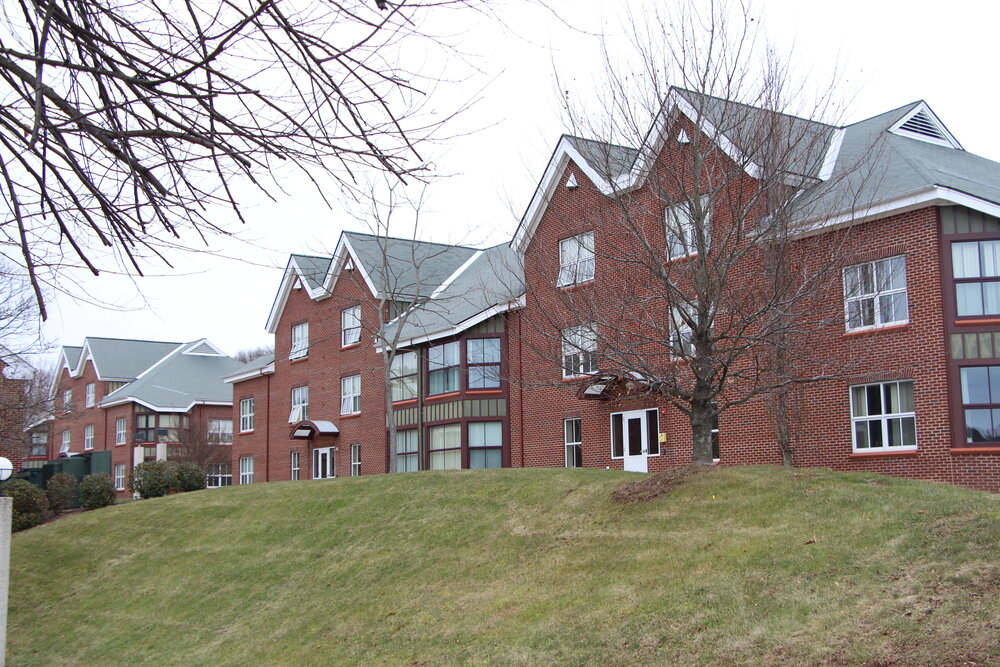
x,y
485,445
296,469
324,466
68,400
119,477
573,440
445,446
680,329
576,259
89,393
579,351
246,470
300,341
350,326
121,430
64,446
407,451
300,405
88,436
220,431
682,228
246,415
350,395
403,376
355,460
875,294
882,416
221,474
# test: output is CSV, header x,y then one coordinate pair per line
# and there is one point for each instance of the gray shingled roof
x,y
180,381
406,268
313,269
118,359
72,355
495,278
253,365
608,160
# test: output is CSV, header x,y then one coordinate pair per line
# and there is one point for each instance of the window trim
x,y
246,470
581,270
121,430
119,479
300,404
299,348
246,415
350,335
350,403
884,418
875,296
89,393
88,437
586,365
295,466
356,459
576,443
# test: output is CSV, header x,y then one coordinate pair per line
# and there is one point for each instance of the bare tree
x,y
710,295
123,125
248,355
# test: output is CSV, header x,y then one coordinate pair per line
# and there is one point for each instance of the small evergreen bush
x,y
29,507
97,490
188,477
152,479
61,492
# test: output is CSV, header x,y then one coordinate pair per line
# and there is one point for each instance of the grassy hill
x,y
736,565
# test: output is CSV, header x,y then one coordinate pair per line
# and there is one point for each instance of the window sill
x,y
297,360
682,258
350,415
977,321
878,454
404,403
350,346
250,432
569,287
975,450
438,397
871,330
480,392
577,378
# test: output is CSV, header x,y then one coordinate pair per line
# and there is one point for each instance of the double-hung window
x,y
300,341
981,403
576,259
350,326
89,395
875,294
300,405
39,443
403,376
64,447
246,470
976,270
355,460
88,436
482,359
68,400
883,417
681,331
295,466
350,395
407,452
573,439
579,351
443,368
119,477
246,415
687,223
121,430
220,431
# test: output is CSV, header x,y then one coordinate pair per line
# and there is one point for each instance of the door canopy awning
x,y
611,386
307,429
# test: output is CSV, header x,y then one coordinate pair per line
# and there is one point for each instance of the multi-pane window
x,y
221,474
981,403
350,395
39,443
485,444
482,360
89,395
875,293
976,270
246,470
300,405
682,227
355,460
445,447
296,469
88,436
576,259
579,351
443,368
323,463
121,430
68,400
882,416
119,477
155,427
246,415
403,376
220,431
350,326
300,341
64,447
573,439
680,330
407,452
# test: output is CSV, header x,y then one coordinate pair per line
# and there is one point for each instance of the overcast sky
x,y
889,53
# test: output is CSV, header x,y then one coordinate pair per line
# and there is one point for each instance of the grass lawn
x,y
537,567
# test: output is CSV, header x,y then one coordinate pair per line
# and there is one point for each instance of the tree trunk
x,y
701,432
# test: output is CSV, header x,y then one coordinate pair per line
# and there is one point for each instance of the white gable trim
x,y
216,352
344,252
949,140
293,274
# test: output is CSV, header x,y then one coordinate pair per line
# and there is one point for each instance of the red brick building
x,y
15,409
140,400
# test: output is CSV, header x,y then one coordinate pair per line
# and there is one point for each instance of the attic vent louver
x,y
204,348
571,182
682,138
922,124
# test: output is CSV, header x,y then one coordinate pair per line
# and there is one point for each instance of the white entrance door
x,y
630,433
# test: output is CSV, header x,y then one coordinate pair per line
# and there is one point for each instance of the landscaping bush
x,y
152,479
29,507
188,477
97,490
61,492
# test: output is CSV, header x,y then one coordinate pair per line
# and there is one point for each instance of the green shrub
x,y
152,479
61,492
29,507
97,490
188,477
